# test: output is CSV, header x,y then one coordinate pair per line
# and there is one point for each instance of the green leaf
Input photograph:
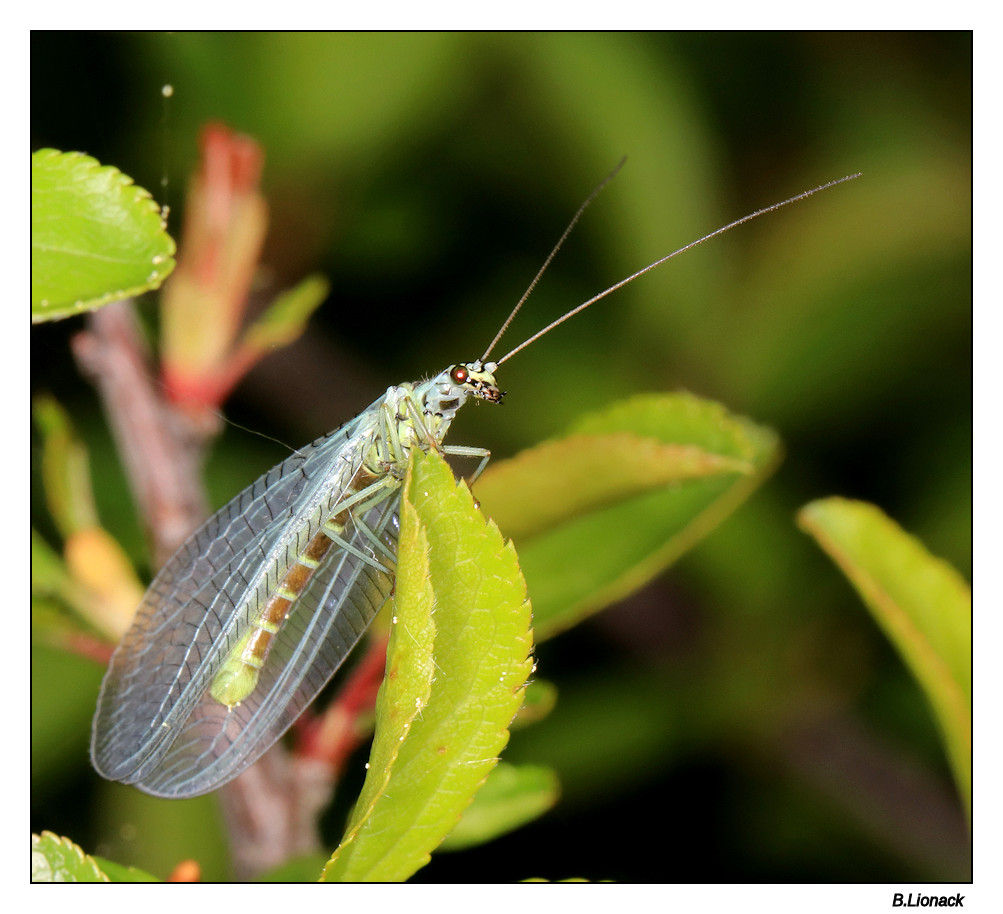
x,y
92,590
403,695
512,796
58,602
431,754
286,318
116,872
54,596
598,514
95,236
556,482
55,859
921,603
65,468
537,702
93,577
48,572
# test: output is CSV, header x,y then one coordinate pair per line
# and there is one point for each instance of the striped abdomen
x,y
238,676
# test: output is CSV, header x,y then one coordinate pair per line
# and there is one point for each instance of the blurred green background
x,y
742,719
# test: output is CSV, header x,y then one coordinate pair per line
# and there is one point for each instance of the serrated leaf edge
x,y
65,845
140,196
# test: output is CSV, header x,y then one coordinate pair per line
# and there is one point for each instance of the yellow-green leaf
x,y
402,697
96,577
48,572
921,603
65,468
538,701
599,513
56,859
449,743
96,237
556,482
286,318
512,796
58,602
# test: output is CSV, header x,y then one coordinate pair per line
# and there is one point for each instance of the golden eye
x,y
459,375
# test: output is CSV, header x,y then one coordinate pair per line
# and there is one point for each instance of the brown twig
x,y
161,448
264,818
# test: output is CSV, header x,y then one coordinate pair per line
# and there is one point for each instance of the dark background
x,y
742,719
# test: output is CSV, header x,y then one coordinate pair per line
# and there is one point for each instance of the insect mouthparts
x,y
480,380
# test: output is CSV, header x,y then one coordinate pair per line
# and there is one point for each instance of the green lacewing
x,y
252,616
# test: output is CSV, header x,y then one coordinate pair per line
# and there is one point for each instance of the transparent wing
x,y
156,726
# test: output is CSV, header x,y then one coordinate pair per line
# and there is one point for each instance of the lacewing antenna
x,y
643,270
550,257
